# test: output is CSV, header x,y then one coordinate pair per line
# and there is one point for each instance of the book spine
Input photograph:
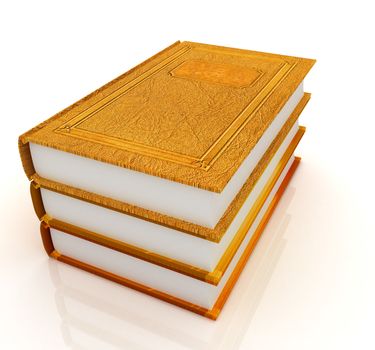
x,y
37,200
27,161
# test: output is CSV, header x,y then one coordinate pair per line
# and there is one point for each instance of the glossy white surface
x,y
310,283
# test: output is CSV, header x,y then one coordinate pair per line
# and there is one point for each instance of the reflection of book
x,y
164,175
96,314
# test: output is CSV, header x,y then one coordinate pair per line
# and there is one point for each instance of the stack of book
x,y
164,179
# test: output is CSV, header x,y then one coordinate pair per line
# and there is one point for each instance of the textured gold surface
x,y
213,276
220,302
214,234
196,130
218,73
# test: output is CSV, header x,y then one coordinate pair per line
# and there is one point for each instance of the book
x,y
164,178
177,136
85,306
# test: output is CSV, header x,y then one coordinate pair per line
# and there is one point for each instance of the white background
x,y
310,283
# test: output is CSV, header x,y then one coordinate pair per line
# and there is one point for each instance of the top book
x,y
190,114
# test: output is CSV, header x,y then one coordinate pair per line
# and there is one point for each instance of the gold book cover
x,y
191,115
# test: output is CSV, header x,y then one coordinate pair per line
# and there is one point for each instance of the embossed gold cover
x,y
190,114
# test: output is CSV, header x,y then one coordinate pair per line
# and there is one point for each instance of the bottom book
x,y
99,314
114,266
